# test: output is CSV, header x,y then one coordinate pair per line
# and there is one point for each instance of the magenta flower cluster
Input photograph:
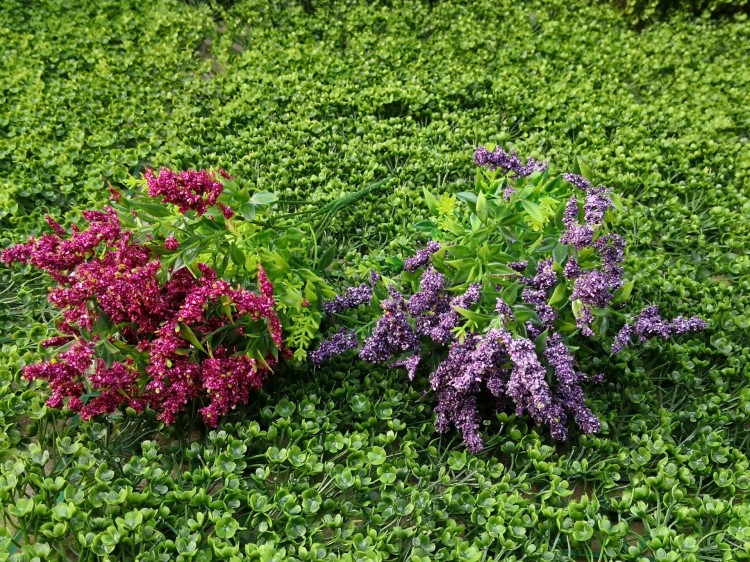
x,y
190,190
112,295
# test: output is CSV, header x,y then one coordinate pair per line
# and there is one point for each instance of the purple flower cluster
x,y
577,235
508,368
569,395
535,293
338,343
439,325
527,386
470,366
592,289
578,181
393,333
596,204
504,310
499,159
431,285
649,324
496,364
421,258
352,298
572,270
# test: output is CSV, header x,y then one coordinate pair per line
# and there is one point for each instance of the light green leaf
x,y
535,212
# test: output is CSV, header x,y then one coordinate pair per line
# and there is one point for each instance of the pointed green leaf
x,y
188,334
586,171
533,209
559,295
482,207
431,200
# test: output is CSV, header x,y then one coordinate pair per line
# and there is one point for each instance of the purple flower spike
x,y
352,298
337,344
393,334
572,270
527,386
503,309
622,339
410,364
584,321
649,324
545,277
519,266
578,236
432,285
421,258
507,162
569,394
578,181
597,203
592,289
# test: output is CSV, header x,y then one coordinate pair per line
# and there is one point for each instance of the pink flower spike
x,y
266,288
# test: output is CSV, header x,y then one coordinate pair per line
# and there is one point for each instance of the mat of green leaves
x,y
309,100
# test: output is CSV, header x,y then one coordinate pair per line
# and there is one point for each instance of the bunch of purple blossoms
x,y
393,333
535,294
337,344
499,159
593,288
492,360
649,324
352,298
421,258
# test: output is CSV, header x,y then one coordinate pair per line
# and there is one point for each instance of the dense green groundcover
x,y
344,463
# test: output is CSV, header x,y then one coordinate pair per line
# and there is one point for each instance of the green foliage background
x,y
643,11
343,464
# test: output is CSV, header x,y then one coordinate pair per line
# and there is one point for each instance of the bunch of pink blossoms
x,y
115,302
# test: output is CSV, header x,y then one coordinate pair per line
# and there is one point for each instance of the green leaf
x,y
153,209
376,456
237,255
623,293
248,211
582,531
586,171
326,259
431,201
425,226
188,334
471,315
263,198
535,212
617,202
467,197
495,526
560,253
559,294
482,207
226,527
